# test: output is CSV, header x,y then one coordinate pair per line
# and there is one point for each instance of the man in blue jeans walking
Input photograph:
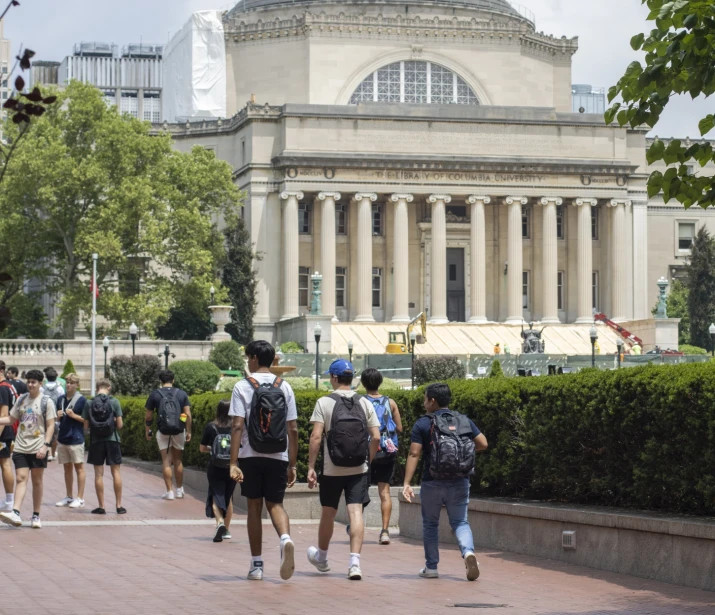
x,y
450,489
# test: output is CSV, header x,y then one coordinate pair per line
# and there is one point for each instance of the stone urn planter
x,y
220,316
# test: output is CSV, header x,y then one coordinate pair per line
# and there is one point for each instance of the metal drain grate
x,y
479,605
568,539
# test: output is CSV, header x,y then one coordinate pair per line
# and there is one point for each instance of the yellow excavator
x,y
400,340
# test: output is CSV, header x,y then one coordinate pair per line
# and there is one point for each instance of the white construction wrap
x,y
195,70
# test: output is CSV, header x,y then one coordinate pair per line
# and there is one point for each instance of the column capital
x,y
473,198
286,195
436,198
617,202
546,200
516,200
581,202
322,196
408,198
361,196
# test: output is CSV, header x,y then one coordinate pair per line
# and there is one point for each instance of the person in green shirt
x,y
104,448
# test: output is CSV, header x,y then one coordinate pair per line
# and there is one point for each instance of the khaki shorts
x,y
70,453
178,441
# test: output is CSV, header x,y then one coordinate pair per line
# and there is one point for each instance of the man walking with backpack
x,y
8,395
173,429
265,426
352,437
103,418
449,440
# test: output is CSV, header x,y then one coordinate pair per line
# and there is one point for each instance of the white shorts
x,y
178,441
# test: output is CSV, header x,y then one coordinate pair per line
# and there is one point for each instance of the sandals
x,y
121,510
99,511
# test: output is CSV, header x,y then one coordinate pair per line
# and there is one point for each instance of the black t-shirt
x,y
6,433
19,385
152,403
210,432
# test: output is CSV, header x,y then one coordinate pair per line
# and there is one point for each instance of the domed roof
x,y
501,7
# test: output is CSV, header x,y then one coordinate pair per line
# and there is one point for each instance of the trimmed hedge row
x,y
640,437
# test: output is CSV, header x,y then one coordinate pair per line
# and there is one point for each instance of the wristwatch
x,y
48,444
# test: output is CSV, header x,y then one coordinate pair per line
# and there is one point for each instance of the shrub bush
x,y
227,355
688,349
496,371
195,377
388,384
226,384
68,369
438,369
136,375
291,348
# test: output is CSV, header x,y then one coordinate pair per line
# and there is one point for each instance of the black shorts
x,y
381,471
104,452
5,450
355,487
28,460
264,478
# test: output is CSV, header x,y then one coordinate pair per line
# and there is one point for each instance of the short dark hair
x,y
104,383
34,374
2,366
50,373
13,371
371,379
263,351
222,417
440,393
166,376
346,378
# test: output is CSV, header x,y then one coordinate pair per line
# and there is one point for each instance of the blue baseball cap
x,y
340,367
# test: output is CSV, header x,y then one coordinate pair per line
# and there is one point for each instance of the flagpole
x,y
93,286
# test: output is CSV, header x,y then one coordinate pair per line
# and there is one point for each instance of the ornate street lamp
x,y
167,353
619,345
593,334
413,341
711,330
133,330
317,332
350,351
212,292
105,344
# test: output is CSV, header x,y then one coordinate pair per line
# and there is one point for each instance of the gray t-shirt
x,y
323,413
33,423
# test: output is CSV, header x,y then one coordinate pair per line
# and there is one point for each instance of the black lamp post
x,y
317,332
167,353
413,341
350,351
593,334
711,330
133,330
619,345
105,344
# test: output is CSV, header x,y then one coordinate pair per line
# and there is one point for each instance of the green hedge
x,y
641,437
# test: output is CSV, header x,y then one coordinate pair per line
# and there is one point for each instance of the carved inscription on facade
x,y
419,176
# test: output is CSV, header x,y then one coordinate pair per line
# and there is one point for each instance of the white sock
x,y
322,555
284,537
256,559
10,498
354,559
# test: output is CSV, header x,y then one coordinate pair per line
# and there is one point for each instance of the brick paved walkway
x,y
159,558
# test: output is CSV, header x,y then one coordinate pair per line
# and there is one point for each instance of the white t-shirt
x,y
323,413
31,432
241,406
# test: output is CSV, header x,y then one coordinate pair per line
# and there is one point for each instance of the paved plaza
x,y
159,558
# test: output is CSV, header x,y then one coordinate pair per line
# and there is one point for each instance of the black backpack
x,y
452,446
221,449
266,427
349,437
169,422
101,416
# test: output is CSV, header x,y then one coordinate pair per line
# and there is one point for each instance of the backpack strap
x,y
253,382
277,382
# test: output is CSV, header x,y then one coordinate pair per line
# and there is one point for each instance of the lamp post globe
x,y
593,334
317,332
133,330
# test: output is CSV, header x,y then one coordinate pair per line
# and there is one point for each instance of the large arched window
x,y
414,82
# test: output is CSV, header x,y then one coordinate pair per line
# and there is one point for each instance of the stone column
x,y
327,250
641,309
515,261
364,256
584,261
438,266
400,268
619,280
478,264
550,263
290,253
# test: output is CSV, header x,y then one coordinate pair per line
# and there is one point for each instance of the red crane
x,y
625,334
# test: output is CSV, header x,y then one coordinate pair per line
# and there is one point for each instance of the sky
x,y
604,28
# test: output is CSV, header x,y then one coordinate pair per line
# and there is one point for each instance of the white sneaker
x,y
354,573
50,457
313,559
77,503
36,523
6,507
179,492
472,566
256,572
169,495
287,559
11,518
429,573
65,502
227,536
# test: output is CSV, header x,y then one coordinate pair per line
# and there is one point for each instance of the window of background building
x,y
594,223
686,235
109,97
525,289
560,226
594,290
341,219
305,211
341,276
526,222
560,278
377,219
129,104
303,281
376,287
152,107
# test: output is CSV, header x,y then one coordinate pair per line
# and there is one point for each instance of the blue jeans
x,y
454,494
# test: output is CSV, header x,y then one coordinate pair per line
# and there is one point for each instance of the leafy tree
x,y
701,288
27,318
68,369
679,54
189,319
239,278
676,304
227,355
87,180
